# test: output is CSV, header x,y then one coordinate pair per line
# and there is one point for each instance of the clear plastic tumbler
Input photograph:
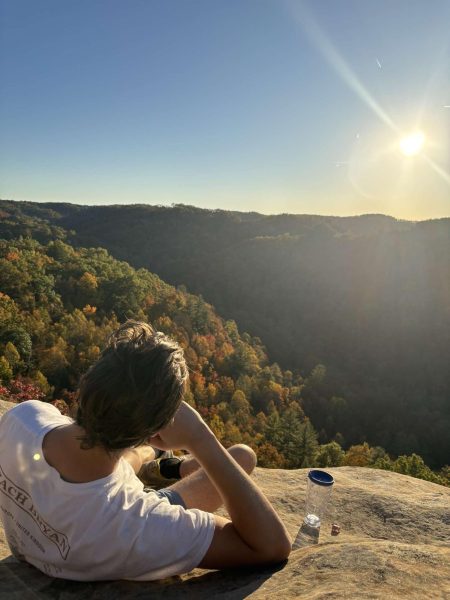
x,y
318,496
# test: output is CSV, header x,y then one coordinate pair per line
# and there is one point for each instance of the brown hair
x,y
133,390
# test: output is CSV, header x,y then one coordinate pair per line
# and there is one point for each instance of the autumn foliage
x,y
58,305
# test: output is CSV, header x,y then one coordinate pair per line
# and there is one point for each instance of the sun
x,y
412,144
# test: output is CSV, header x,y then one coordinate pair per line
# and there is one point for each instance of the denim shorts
x,y
172,496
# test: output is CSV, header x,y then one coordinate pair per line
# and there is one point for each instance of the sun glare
x,y
412,144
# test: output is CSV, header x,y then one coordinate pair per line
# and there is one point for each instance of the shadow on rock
x,y
22,581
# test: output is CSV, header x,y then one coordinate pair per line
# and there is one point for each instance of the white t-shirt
x,y
104,529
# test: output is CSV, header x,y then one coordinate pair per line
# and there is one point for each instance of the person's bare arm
x,y
255,534
137,456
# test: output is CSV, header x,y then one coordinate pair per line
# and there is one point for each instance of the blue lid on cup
x,y
320,477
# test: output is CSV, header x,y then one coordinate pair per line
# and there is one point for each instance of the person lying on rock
x,y
73,506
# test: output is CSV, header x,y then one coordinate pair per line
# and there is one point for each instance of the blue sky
x,y
274,106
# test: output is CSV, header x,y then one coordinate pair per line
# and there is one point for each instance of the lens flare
x,y
412,144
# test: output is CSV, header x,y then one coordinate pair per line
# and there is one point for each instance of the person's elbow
x,y
278,552
283,550
229,550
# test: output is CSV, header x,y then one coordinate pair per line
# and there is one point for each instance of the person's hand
x,y
186,429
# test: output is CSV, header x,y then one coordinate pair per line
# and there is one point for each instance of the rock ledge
x,y
394,543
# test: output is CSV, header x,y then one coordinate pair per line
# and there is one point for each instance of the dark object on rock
x,y
335,529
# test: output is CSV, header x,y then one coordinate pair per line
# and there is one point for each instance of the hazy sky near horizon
x,y
254,105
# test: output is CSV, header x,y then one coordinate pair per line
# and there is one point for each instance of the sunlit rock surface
x,y
394,543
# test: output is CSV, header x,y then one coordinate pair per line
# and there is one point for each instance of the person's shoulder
x,y
32,413
31,407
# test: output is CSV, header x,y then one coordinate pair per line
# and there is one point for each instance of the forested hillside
x,y
356,308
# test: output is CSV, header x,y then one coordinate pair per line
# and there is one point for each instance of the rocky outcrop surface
x,y
394,543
